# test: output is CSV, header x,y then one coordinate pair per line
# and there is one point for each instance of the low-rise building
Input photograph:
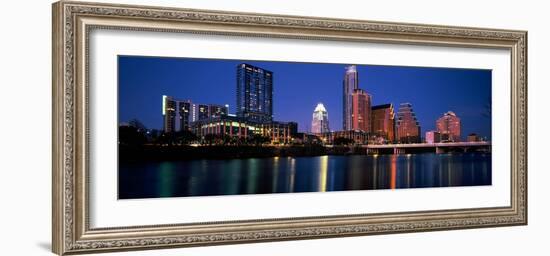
x,y
233,126
472,137
356,136
433,137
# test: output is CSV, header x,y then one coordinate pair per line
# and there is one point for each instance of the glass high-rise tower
x,y
350,84
254,93
319,122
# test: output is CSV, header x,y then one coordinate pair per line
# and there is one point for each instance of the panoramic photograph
x,y
212,127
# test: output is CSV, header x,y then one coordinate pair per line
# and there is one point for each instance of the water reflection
x,y
393,165
323,162
166,179
302,174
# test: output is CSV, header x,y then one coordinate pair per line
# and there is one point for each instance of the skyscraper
x,y
185,109
407,126
383,121
169,113
254,93
319,123
361,112
449,126
351,82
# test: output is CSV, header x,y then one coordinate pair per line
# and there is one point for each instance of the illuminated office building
x,y
433,137
358,137
319,122
169,113
361,111
179,114
185,111
407,126
383,121
472,137
254,93
449,126
350,84
237,127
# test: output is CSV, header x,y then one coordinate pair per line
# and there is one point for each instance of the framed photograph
x,y
179,127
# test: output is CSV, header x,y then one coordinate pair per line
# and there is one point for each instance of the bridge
x,y
477,146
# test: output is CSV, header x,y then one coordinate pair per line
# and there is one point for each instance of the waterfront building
x,y
350,83
254,93
319,122
361,111
238,127
383,122
202,112
449,126
179,114
169,106
185,111
472,137
357,136
304,138
217,110
407,126
293,126
433,137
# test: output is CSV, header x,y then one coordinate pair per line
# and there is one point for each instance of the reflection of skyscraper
x,y
254,93
319,123
383,121
187,112
361,112
408,128
351,82
449,126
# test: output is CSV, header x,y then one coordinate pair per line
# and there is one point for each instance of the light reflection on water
x,y
301,174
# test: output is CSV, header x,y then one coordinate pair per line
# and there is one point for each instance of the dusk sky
x,y
298,87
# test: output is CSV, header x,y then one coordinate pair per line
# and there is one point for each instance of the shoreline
x,y
177,153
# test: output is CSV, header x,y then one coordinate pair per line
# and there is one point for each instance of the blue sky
x,y
298,87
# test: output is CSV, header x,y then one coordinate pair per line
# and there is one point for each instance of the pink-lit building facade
x,y
407,126
449,127
361,111
433,137
383,122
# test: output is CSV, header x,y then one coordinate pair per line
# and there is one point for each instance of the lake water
x,y
301,174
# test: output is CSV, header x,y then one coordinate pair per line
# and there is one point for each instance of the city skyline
x,y
297,84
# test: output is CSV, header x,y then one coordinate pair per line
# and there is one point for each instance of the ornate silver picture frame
x,y
74,21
